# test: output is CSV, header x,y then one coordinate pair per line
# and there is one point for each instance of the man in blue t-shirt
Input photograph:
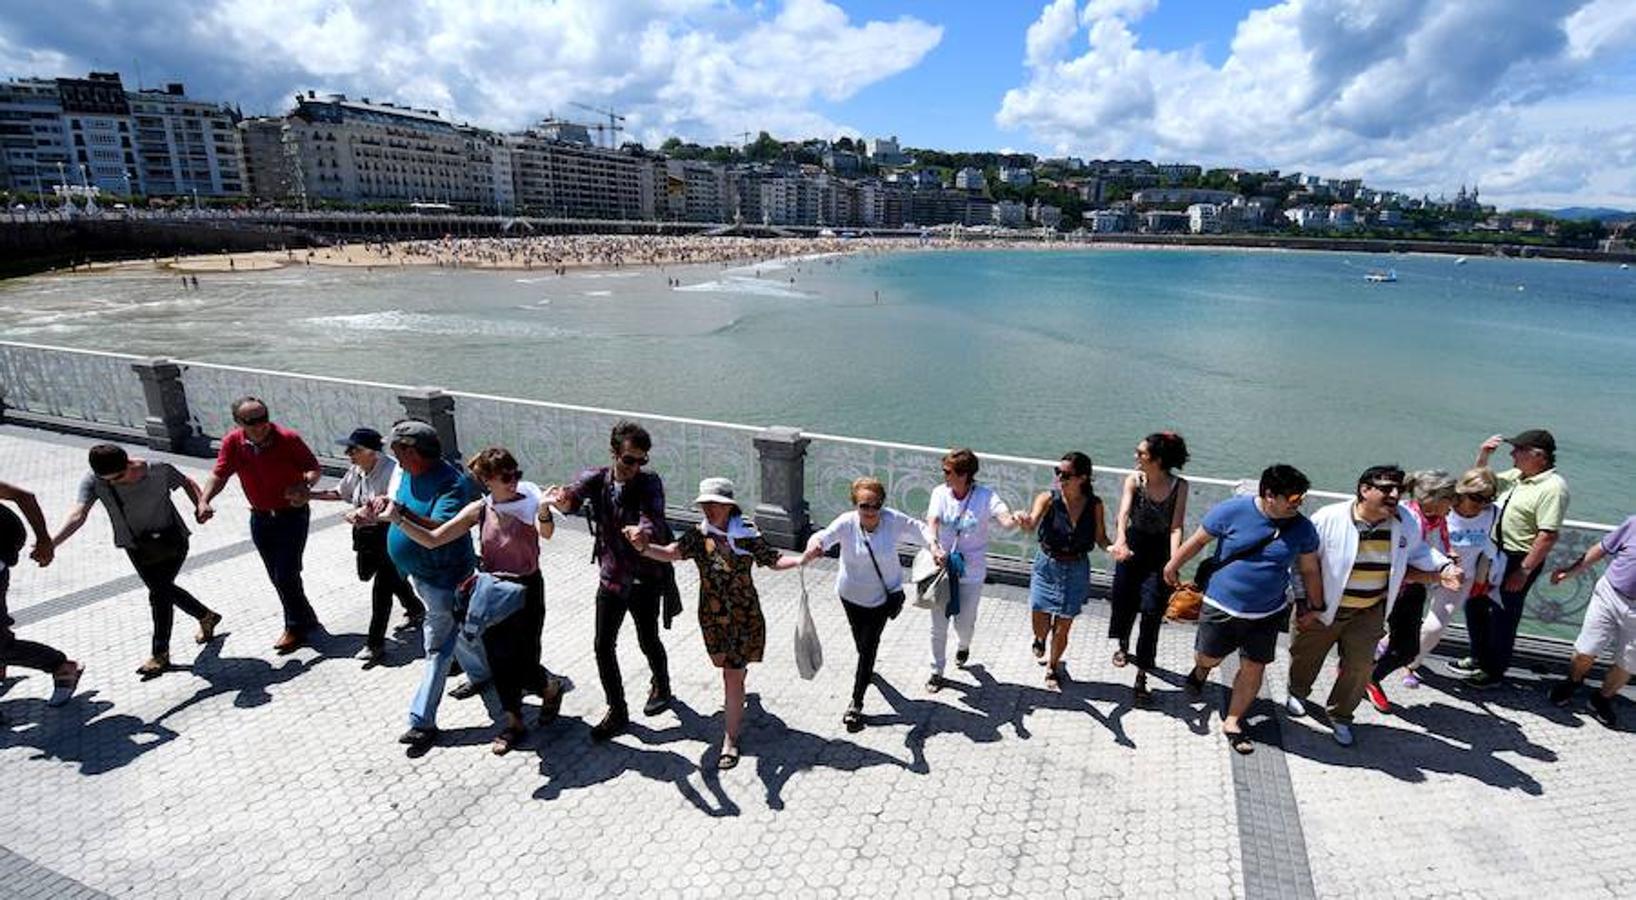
x,y
1259,539
431,492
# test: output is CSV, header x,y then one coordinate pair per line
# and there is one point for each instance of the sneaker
x,y
1602,710
65,685
853,720
960,657
1295,706
419,738
1483,680
1343,734
1381,646
612,723
207,628
467,689
372,656
1562,693
658,702
1464,666
934,683
1411,680
1377,697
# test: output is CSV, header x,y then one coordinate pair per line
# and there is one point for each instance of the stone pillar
x,y
431,405
782,513
169,426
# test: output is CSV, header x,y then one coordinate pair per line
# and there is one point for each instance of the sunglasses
x,y
869,507
1387,487
1062,475
1475,498
510,477
634,461
253,421
1294,499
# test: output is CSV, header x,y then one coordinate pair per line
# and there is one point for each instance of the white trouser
x,y
965,623
1441,605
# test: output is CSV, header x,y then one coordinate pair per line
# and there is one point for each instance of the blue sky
x,y
1531,99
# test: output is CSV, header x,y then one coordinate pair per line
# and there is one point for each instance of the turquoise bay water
x,y
1255,357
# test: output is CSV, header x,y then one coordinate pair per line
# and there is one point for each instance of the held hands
x,y
1308,619
552,495
636,536
202,513
1120,552
1172,573
1560,575
298,494
44,552
1451,577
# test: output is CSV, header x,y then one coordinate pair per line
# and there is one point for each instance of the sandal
x,y
729,759
207,627
853,720
1039,651
1053,678
1120,658
1239,741
507,740
156,665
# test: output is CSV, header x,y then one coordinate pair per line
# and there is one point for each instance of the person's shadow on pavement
x,y
248,678
81,732
780,751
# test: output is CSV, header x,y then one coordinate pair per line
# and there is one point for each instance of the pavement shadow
x,y
250,678
82,732
780,752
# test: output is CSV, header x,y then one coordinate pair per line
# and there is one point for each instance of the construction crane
x,y
611,129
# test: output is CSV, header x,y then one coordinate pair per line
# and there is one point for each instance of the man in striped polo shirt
x,y
1368,547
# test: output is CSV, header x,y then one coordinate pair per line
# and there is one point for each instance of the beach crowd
x,y
1372,581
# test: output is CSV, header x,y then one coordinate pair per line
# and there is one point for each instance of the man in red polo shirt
x,y
277,471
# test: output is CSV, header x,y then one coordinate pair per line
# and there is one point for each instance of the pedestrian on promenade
x,y
725,548
432,491
367,478
1258,539
615,496
137,495
1430,500
277,470
1609,624
1471,526
1533,502
65,673
510,521
1147,532
958,518
1069,522
870,580
1368,545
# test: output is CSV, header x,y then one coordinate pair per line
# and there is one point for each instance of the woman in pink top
x,y
510,521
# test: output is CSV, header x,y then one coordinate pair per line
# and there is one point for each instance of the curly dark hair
x,y
1167,449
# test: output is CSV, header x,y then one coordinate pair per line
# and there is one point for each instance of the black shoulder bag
x,y
894,598
151,548
1209,567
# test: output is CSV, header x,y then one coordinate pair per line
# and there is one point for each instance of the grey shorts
x,y
1610,625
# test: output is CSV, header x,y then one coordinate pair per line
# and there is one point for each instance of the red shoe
x,y
1378,697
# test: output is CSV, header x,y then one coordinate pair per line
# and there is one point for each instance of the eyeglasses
x,y
868,507
253,421
1064,476
634,461
510,477
1387,487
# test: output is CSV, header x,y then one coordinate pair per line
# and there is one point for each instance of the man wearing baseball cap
x,y
1533,501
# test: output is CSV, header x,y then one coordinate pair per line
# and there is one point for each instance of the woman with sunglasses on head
x,y
957,518
870,581
1147,532
510,521
370,476
1070,523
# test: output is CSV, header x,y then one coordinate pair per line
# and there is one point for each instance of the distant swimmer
x,y
195,281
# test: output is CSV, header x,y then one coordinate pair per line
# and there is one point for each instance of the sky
x,y
1531,100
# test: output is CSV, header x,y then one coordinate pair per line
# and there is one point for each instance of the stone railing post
x,y
168,424
782,513
431,405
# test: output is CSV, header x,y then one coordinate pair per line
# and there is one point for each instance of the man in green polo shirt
x,y
1533,501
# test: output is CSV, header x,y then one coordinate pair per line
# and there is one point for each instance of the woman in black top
x,y
1152,510
1069,520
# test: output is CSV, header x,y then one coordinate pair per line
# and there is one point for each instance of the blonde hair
x,y
1478,482
868,483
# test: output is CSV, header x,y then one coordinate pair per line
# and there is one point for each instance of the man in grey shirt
x,y
146,525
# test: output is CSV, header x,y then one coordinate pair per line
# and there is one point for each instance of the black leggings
x,y
1402,631
513,647
867,624
643,602
165,596
1139,591
388,583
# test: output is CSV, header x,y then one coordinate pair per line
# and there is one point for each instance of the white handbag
x,y
809,652
931,580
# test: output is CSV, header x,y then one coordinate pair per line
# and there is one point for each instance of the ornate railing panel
x,y
98,388
322,409
555,442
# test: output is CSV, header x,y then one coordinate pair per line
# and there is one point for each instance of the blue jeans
x,y
280,539
444,643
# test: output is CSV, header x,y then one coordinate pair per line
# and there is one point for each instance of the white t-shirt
x,y
358,488
963,524
857,583
1469,540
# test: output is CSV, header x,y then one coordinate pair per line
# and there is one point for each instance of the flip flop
x,y
728,760
507,740
1239,741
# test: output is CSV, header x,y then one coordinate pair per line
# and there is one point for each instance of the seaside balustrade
x,y
789,481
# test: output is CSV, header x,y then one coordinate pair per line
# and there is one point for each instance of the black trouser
x,y
643,602
1402,631
1139,591
513,647
1494,631
867,624
165,596
389,583
14,652
281,538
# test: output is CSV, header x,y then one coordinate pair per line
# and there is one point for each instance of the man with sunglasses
x,y
277,470
1369,546
616,496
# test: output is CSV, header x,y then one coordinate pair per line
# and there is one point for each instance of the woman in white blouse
x,y
870,582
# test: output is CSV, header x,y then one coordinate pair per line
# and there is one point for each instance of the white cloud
x,y
1406,94
702,68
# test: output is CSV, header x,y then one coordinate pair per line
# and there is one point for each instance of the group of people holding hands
x,y
1380,575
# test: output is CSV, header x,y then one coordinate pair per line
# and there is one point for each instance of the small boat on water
x,y
1379,277
1461,261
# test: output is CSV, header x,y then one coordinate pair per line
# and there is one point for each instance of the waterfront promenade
x,y
248,774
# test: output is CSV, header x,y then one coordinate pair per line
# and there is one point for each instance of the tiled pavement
x,y
249,774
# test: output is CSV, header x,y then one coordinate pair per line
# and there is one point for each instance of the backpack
x,y
12,536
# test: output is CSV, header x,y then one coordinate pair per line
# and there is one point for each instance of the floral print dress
x,y
735,634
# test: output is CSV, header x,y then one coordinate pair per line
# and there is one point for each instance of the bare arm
x,y
433,536
1189,549
44,546
1178,521
208,490
1312,578
815,549
1487,448
1589,558
786,562
1102,526
76,518
1120,550
545,523
663,552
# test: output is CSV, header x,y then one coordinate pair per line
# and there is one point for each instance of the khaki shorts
x,y
1610,625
